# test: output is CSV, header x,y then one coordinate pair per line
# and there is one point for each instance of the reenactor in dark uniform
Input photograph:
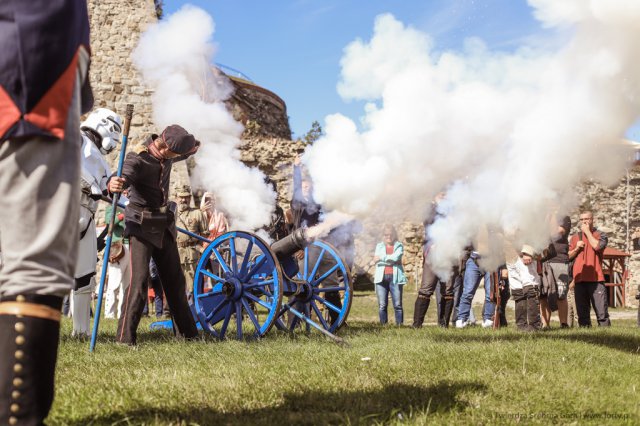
x,y
150,224
44,86
193,220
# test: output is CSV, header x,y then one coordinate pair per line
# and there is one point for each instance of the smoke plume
x,y
175,57
507,134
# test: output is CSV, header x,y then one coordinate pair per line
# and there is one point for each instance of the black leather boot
x,y
420,311
29,332
446,310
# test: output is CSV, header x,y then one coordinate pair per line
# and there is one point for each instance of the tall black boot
x,y
420,310
29,332
447,309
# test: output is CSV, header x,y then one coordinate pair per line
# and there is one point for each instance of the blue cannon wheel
x,y
327,290
237,286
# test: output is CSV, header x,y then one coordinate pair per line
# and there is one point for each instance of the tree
x,y
313,134
159,4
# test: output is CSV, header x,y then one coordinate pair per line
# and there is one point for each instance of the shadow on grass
x,y
627,343
393,402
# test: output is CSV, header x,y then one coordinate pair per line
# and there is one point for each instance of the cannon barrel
x,y
290,244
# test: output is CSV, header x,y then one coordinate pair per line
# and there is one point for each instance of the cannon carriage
x,y
244,286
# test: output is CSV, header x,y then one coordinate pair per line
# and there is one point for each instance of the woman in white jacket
x,y
389,275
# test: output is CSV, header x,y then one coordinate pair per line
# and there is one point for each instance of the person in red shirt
x,y
586,249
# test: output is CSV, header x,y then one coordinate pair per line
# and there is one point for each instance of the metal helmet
x,y
107,124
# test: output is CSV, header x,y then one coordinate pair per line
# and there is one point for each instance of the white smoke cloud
x,y
509,134
175,58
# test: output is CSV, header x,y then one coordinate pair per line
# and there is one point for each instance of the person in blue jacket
x,y
389,276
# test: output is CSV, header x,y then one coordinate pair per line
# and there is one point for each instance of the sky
x,y
294,48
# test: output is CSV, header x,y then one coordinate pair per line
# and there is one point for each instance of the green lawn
x,y
384,375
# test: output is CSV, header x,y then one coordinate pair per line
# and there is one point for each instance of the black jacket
x,y
147,180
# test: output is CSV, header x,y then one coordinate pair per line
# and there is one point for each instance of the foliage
x,y
386,375
313,134
159,5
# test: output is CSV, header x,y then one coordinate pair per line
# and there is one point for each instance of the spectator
x,y
118,268
306,212
430,281
216,219
158,293
217,225
277,229
194,221
389,275
586,250
151,228
473,274
457,287
45,87
525,286
559,274
154,293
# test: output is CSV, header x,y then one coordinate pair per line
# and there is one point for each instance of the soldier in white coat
x,y
100,135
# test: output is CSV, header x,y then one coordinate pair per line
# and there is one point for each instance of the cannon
x,y
244,286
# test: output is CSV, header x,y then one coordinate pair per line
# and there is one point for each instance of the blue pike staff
x,y
107,249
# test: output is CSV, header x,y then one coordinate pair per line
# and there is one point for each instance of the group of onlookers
x,y
566,277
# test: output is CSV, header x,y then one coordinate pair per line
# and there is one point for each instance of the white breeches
x,y
119,277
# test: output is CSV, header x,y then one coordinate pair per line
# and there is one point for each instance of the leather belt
x,y
30,310
161,209
183,244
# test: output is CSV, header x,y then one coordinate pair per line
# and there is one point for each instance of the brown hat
x,y
179,140
183,191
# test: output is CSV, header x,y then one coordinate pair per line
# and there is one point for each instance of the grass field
x,y
385,375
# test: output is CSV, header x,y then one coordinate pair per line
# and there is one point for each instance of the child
x,y
525,286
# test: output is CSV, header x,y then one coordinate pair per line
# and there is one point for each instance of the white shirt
x,y
521,275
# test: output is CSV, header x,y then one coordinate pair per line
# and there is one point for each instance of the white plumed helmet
x,y
107,124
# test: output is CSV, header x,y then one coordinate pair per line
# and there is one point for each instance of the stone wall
x,y
116,26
